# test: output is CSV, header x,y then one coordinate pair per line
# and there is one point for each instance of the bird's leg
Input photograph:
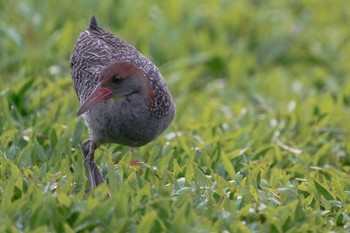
x,y
93,173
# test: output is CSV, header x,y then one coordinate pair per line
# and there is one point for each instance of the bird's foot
x,y
93,173
136,162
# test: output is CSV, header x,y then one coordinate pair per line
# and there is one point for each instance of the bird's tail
x,y
93,23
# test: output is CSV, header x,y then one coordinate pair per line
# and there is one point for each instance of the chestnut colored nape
x,y
98,54
123,68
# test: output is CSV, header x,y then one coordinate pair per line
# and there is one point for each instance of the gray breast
x,y
96,49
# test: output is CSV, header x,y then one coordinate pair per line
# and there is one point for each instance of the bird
x,y
123,96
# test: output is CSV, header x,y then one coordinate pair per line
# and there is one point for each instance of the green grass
x,y
260,142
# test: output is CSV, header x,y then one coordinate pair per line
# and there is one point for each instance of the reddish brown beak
x,y
98,94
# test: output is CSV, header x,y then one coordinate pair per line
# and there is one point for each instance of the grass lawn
x,y
260,142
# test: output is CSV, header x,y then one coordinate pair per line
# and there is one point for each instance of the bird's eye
x,y
117,79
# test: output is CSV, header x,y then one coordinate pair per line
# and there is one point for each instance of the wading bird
x,y
123,97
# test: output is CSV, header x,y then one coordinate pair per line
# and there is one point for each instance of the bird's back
x,y
97,48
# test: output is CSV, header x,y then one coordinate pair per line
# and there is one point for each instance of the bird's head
x,y
116,81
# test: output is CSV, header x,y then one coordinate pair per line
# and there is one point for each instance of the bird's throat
x,y
117,98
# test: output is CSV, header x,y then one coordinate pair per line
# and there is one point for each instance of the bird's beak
x,y
98,94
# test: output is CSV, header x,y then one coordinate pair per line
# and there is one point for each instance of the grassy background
x,y
261,138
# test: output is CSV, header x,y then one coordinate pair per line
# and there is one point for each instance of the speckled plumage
x,y
95,48
133,120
